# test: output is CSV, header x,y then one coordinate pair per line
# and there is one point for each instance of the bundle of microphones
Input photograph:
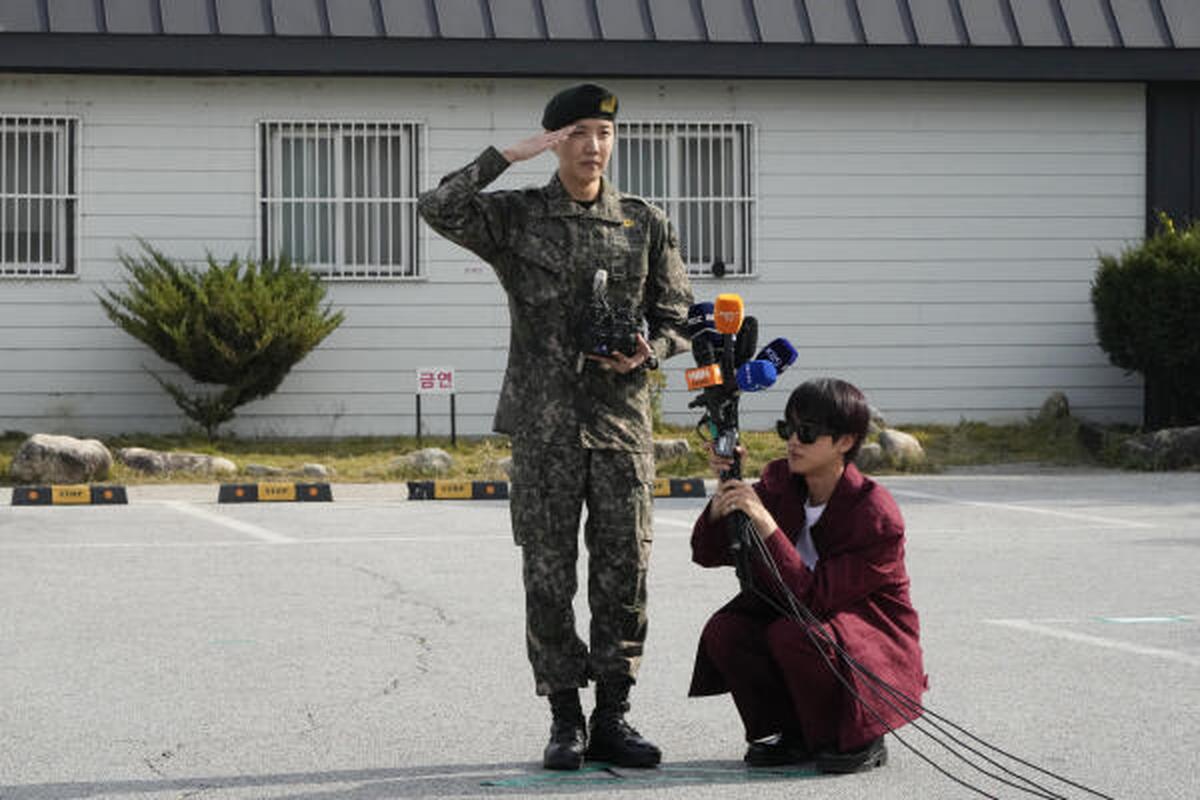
x,y
724,340
723,335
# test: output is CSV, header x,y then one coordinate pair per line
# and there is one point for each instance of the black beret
x,y
585,101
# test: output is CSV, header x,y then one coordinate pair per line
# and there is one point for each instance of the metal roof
x,y
1015,39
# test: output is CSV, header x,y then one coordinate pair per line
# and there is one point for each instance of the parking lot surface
x,y
373,647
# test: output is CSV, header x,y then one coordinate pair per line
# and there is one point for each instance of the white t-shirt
x,y
804,542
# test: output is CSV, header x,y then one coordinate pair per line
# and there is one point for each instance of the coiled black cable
x,y
747,540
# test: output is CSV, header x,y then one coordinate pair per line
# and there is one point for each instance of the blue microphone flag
x,y
754,376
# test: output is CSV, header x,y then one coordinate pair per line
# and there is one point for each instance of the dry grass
x,y
359,460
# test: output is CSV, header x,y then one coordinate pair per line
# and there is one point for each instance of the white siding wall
x,y
932,242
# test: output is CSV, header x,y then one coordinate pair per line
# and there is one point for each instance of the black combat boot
x,y
568,732
611,738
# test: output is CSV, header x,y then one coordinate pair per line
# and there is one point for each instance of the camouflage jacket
x,y
546,248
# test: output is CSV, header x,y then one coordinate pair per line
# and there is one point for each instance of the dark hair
x,y
835,404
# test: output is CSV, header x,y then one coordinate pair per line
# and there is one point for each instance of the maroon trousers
x,y
779,679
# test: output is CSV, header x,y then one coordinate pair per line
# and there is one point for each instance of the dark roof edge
x,y
274,55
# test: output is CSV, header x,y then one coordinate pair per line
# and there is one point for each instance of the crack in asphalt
x,y
399,592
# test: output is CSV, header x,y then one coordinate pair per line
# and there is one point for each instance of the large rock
x,y
1055,407
1169,448
431,459
900,448
154,462
870,457
666,449
262,471
44,458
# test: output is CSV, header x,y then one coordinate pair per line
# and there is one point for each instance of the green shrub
x,y
1147,306
241,325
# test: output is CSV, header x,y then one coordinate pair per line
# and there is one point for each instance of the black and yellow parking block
x,y
457,490
498,490
69,495
679,487
275,492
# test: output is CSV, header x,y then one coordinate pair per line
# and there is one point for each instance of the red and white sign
x,y
435,380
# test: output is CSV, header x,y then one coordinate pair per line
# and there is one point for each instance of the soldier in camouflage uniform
x,y
580,423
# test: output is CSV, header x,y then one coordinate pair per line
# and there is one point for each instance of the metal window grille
x,y
341,197
703,175
38,195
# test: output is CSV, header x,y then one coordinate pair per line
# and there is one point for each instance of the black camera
x,y
607,330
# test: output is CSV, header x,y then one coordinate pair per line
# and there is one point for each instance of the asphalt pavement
x,y
373,647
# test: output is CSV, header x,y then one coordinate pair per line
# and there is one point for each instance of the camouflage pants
x,y
550,486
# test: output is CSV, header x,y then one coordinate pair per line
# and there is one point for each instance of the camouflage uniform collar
x,y
607,206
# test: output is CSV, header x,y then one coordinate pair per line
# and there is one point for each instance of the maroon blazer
x,y
859,588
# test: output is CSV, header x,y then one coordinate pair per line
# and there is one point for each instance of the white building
x,y
914,192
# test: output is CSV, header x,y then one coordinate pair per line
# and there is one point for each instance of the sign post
x,y
437,380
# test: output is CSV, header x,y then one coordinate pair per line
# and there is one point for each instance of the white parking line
x,y
674,522
341,540
1096,641
228,522
1108,522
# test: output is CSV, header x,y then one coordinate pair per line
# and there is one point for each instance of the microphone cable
x,y
814,629
817,636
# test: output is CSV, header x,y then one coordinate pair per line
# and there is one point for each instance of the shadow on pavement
x,y
506,779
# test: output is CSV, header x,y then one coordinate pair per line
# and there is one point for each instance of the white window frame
x,y
731,203
339,232
20,201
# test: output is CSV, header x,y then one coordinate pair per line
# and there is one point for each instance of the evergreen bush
x,y
1147,306
242,325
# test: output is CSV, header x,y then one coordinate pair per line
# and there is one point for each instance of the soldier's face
x,y
583,155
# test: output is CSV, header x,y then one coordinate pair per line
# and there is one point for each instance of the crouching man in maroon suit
x,y
838,540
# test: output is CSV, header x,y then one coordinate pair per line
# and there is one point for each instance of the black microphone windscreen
x,y
703,352
747,341
700,319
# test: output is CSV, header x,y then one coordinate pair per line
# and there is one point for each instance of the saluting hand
x,y
536,145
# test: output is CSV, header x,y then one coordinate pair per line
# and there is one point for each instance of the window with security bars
x,y
340,197
702,174
38,196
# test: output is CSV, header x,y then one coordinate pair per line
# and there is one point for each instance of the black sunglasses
x,y
808,432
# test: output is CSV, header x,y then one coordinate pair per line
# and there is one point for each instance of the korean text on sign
x,y
435,380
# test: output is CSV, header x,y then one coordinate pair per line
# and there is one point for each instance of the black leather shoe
x,y
781,751
568,741
615,741
872,755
